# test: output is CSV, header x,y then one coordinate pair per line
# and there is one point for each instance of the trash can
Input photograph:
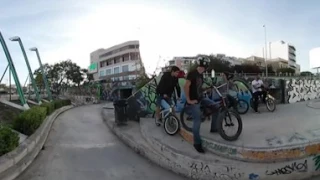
x,y
120,111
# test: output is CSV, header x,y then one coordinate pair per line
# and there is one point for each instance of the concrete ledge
x,y
179,156
251,154
15,162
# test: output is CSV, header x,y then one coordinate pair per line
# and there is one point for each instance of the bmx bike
x,y
269,102
224,119
169,120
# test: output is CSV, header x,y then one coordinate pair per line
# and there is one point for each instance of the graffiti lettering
x,y
274,141
302,90
198,169
294,167
297,137
316,160
253,176
221,176
222,149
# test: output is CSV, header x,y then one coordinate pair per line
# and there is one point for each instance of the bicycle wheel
x,y
186,121
242,106
225,119
171,124
271,105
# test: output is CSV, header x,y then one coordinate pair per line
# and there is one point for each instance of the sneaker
x,y
258,112
214,131
158,122
199,148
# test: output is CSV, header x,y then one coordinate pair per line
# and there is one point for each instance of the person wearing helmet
x,y
168,82
194,96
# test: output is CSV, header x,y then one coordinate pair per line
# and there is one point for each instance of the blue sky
x,y
63,29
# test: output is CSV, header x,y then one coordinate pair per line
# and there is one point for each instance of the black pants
x,y
256,99
232,101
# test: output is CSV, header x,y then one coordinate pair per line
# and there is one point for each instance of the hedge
x,y
9,140
28,121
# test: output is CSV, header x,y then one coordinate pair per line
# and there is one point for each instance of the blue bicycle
x,y
170,121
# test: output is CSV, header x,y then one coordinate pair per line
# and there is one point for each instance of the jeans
x,y
255,97
196,116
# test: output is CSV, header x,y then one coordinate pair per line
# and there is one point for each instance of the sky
x,y
71,29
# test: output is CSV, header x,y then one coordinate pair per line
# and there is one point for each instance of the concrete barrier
x,y
15,162
177,155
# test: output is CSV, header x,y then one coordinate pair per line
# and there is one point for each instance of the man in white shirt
x,y
257,90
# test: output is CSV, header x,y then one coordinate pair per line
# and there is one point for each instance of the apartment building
x,y
279,49
182,62
118,66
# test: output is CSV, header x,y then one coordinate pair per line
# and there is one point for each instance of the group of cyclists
x,y
193,95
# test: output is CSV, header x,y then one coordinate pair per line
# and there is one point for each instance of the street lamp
x,y
265,39
18,39
44,76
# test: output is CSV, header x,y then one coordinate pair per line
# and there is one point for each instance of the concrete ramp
x,y
178,155
12,104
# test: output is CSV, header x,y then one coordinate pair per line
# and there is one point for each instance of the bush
x,y
49,107
9,140
29,121
60,103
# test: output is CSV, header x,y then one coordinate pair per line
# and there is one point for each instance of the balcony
x,y
291,59
292,47
119,74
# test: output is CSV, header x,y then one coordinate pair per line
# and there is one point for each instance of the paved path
x,y
290,124
81,147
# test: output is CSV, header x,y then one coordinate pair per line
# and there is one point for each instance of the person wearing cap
x,y
168,82
194,95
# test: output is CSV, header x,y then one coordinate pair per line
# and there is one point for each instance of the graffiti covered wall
x,y
143,102
302,90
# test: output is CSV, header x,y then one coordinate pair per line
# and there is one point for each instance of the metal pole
x,y
14,72
35,88
4,73
44,76
10,85
265,39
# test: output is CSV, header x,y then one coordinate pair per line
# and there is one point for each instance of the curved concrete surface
x,y
291,132
209,166
81,147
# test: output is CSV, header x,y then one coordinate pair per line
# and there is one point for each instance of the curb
x,y
257,155
15,162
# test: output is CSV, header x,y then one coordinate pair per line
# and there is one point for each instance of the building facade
x,y
183,63
279,49
118,66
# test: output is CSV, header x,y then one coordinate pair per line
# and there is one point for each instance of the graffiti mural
x,y
302,90
143,102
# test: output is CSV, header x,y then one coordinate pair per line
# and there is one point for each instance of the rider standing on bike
x,y
257,91
194,95
165,89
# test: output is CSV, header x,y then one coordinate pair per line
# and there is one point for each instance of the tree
x,y
306,73
247,68
219,65
286,70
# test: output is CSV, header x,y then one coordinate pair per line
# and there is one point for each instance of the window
x,y
125,68
108,71
125,78
102,73
125,57
116,70
172,63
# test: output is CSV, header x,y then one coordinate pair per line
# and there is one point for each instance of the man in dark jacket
x,y
169,81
